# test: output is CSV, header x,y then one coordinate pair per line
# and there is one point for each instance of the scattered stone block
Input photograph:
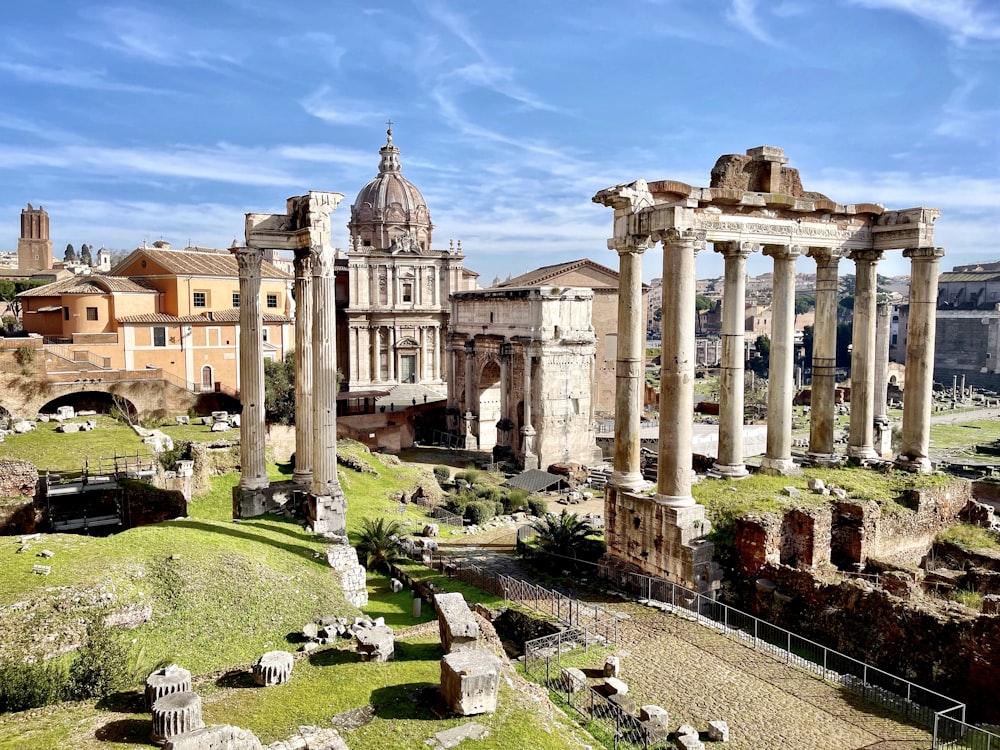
x,y
183,420
220,416
215,737
431,529
612,666
573,680
470,681
22,426
273,668
42,570
651,711
689,742
172,679
456,623
718,731
396,585
89,426
220,426
839,492
816,484
65,412
376,644
174,714
310,630
46,553
235,420
655,722
614,686
448,738
790,491
68,427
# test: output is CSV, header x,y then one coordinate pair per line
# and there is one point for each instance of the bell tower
x,y
34,248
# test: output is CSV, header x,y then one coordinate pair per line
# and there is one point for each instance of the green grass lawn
x,y
48,449
964,436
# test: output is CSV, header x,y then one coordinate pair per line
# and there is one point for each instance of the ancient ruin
x,y
753,203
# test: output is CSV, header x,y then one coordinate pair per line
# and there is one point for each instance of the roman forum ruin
x,y
753,203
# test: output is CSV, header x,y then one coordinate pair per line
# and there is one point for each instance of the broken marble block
x,y
456,623
573,680
376,643
273,668
174,714
470,681
172,679
718,731
612,666
655,722
215,737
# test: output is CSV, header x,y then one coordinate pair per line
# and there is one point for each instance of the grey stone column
x,y
470,395
780,383
629,369
325,486
253,465
529,457
920,330
506,365
861,439
673,482
731,386
822,410
303,367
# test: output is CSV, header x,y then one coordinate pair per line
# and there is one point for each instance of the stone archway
x,y
489,405
100,401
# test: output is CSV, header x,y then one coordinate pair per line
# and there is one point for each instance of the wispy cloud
x,y
961,19
71,77
743,14
337,110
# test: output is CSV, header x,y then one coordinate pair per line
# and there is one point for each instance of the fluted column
x,y
629,368
325,482
920,330
392,353
470,395
781,369
731,385
883,319
253,464
673,483
303,367
529,457
861,439
822,410
377,354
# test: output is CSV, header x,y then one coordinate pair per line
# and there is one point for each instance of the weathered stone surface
x,y
396,585
376,643
573,680
651,711
431,529
991,604
273,668
171,679
615,686
612,666
68,427
17,478
22,426
470,681
311,738
718,731
174,714
215,737
689,742
458,627
655,722
456,735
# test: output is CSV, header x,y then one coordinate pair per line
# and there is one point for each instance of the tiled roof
x,y
534,480
545,273
216,316
88,285
187,263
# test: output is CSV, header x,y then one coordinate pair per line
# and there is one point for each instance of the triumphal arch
x,y
754,203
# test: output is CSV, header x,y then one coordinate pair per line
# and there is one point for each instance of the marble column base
x,y
864,453
629,481
674,501
530,461
824,460
918,465
304,478
253,483
729,471
779,466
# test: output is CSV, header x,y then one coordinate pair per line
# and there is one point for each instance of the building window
x,y
159,336
198,299
236,299
264,331
272,300
91,313
407,292
65,313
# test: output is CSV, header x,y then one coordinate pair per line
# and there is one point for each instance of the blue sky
x,y
139,121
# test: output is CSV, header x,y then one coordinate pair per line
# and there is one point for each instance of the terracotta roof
x,y
541,275
187,263
216,316
954,276
88,285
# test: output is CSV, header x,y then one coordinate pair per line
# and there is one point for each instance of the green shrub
x,y
102,665
488,492
468,475
480,511
498,509
537,506
442,473
515,500
24,686
458,502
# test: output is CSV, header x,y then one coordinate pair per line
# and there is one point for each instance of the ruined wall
x,y
17,478
906,537
950,650
19,518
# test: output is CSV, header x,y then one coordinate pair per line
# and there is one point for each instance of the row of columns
x,y
678,356
383,339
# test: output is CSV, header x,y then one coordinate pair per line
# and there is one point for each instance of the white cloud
x,y
327,106
70,77
962,19
743,13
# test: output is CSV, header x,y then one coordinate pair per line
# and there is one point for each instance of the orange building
x,y
175,310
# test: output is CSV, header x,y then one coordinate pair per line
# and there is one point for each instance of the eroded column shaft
x,y
861,438
629,370
673,484
781,368
883,319
920,330
253,464
303,367
325,387
822,410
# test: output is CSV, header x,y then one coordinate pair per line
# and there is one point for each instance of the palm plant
x,y
565,534
378,543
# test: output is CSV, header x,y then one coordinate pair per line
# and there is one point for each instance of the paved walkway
x,y
699,675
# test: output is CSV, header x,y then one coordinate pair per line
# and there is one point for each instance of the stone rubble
x,y
470,681
456,623
215,737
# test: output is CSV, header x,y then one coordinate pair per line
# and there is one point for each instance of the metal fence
x,y
447,517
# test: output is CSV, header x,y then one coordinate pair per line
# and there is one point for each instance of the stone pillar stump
x,y
470,681
175,714
273,668
172,679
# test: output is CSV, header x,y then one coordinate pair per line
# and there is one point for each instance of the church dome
x,y
390,208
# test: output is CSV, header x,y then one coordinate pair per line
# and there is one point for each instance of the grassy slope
x,y
47,449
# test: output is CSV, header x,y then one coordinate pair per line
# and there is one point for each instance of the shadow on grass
x,y
124,702
236,531
413,700
417,651
236,678
331,657
131,731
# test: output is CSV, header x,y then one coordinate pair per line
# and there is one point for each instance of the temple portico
x,y
753,200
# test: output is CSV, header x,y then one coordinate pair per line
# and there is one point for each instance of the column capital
x,y
673,236
632,244
866,256
736,249
783,252
248,259
303,263
323,257
923,253
825,256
